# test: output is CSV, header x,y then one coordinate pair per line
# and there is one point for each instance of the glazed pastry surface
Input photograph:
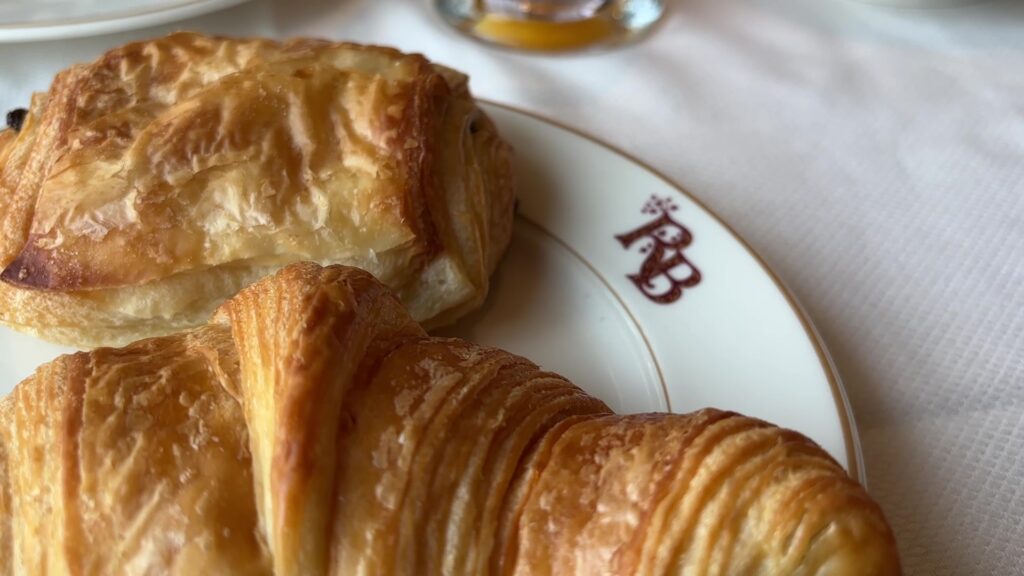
x,y
312,427
148,186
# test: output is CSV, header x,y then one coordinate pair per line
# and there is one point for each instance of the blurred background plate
x,y
26,20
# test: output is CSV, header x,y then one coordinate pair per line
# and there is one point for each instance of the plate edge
x,y
119,22
851,439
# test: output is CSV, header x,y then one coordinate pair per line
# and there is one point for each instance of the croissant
x,y
312,427
145,188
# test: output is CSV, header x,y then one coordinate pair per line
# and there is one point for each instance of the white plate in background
x,y
594,227
27,20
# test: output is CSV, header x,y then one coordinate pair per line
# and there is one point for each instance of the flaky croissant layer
x,y
312,427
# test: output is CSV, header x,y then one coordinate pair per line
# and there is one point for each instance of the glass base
x,y
552,25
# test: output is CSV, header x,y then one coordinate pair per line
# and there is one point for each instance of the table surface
x,y
872,155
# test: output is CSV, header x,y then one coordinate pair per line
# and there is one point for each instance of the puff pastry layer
x,y
312,428
148,186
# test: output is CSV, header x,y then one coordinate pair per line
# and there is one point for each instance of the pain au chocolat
x,y
147,187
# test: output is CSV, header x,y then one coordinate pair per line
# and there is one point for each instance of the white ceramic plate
x,y
25,20
619,280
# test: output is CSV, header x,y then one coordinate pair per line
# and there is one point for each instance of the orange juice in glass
x,y
552,25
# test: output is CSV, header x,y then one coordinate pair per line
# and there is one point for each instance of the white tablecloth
x,y
874,156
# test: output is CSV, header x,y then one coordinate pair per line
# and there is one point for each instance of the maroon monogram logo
x,y
665,271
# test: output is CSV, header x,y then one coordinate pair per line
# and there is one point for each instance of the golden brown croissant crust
x,y
148,186
313,428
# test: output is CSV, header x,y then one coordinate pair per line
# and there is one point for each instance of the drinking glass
x,y
552,24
